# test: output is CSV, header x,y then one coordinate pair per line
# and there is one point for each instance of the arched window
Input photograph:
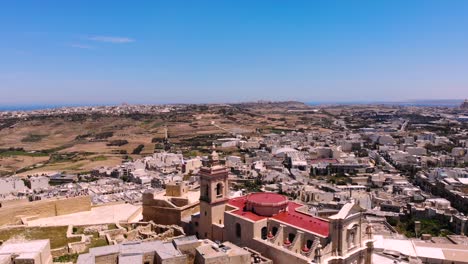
x,y
238,230
219,189
309,243
274,230
207,191
291,237
264,233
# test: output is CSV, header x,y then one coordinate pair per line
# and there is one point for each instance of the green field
x,y
57,235
10,153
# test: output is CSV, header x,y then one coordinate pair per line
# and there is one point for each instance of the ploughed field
x,y
80,143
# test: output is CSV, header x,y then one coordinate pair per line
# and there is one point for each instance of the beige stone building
x,y
184,250
213,200
172,206
12,212
29,252
278,228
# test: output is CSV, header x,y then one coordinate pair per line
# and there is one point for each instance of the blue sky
x,y
90,52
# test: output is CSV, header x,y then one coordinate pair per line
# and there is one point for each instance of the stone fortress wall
x,y
11,213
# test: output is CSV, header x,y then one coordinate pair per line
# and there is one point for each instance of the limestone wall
x,y
73,205
18,202
57,252
29,260
189,250
106,259
176,189
135,214
168,216
221,259
190,210
179,201
11,214
77,247
250,236
277,254
149,258
174,260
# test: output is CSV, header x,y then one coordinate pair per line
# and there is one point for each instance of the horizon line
x,y
45,106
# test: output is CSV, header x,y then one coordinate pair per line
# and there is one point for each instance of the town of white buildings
x,y
391,191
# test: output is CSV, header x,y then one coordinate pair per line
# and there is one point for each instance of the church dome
x,y
266,204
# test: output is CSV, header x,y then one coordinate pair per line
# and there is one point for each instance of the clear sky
x,y
97,51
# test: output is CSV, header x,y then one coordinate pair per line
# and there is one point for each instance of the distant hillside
x,y
429,103
272,105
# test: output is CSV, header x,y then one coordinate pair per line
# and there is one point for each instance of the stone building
x,y
11,184
184,250
37,183
213,200
29,252
278,228
14,211
172,206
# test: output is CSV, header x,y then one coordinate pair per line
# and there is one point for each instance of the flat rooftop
x,y
210,249
193,196
423,249
132,252
24,247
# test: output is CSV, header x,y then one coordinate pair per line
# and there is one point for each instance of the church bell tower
x,y
213,198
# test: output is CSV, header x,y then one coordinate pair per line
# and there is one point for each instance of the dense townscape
x,y
263,182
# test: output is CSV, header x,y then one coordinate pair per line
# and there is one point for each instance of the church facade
x,y
278,228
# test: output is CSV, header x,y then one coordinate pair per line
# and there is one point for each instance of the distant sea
x,y
27,107
36,107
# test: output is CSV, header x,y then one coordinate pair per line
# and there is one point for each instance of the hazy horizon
x,y
107,52
418,102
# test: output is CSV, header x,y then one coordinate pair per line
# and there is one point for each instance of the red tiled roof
x,y
239,202
291,216
301,220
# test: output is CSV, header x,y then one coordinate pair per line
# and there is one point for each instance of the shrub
x,y
117,142
138,149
